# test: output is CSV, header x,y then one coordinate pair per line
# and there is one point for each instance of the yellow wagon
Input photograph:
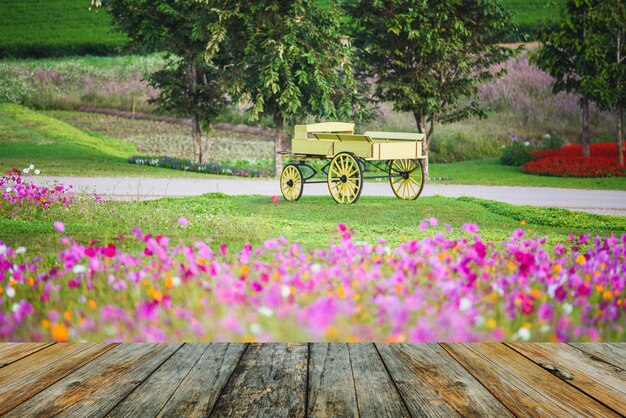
x,y
348,157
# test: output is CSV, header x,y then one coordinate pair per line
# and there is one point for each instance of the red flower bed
x,y
568,161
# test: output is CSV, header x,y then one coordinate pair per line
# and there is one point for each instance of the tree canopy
x,y
429,57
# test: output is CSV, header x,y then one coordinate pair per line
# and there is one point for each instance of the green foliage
x,y
447,147
429,57
55,28
551,142
517,153
552,217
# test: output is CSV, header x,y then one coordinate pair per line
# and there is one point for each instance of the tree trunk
x,y
209,140
196,135
620,134
279,122
585,125
428,130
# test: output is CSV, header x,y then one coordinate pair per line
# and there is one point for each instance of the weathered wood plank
x,y
11,352
198,392
331,385
434,384
375,391
523,387
602,381
97,387
149,397
270,380
612,353
25,378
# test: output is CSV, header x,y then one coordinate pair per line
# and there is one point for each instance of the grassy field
x,y
29,137
312,221
43,28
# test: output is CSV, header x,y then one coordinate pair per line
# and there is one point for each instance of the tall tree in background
x,y
192,83
294,62
569,53
608,20
429,57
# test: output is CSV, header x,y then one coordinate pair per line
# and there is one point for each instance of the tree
x,y
192,83
294,62
568,54
429,57
608,20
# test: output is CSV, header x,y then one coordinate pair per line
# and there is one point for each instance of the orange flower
x,y
59,332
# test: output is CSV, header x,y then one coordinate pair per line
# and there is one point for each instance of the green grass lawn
x,y
530,14
312,221
491,173
30,137
43,28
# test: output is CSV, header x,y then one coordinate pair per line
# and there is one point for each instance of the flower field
x,y
569,162
448,287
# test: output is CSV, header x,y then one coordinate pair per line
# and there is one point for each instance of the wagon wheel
x,y
345,178
291,184
406,178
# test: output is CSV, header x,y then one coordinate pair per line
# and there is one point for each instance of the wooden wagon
x,y
351,159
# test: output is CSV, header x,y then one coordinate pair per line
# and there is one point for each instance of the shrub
x,y
241,168
551,142
518,153
569,162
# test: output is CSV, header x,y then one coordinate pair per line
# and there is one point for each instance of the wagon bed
x,y
348,157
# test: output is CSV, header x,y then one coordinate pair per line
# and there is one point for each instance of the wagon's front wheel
x,y
291,183
406,178
345,178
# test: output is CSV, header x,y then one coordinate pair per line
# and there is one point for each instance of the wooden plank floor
x,y
317,379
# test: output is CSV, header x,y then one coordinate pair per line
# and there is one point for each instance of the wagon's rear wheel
x,y
291,183
406,178
345,178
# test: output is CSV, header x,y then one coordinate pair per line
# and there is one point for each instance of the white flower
x,y
20,250
255,328
546,136
79,268
15,307
265,311
526,143
9,189
3,249
567,308
523,334
176,281
37,171
545,328
315,268
285,291
551,289
10,292
465,304
31,166
26,170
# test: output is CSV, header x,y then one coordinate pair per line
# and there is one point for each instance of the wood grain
x,y
602,381
25,378
433,384
97,387
270,380
523,387
198,392
148,398
331,385
612,353
376,394
11,352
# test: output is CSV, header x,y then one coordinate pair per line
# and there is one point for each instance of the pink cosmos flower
x,y
275,199
59,226
469,227
182,221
